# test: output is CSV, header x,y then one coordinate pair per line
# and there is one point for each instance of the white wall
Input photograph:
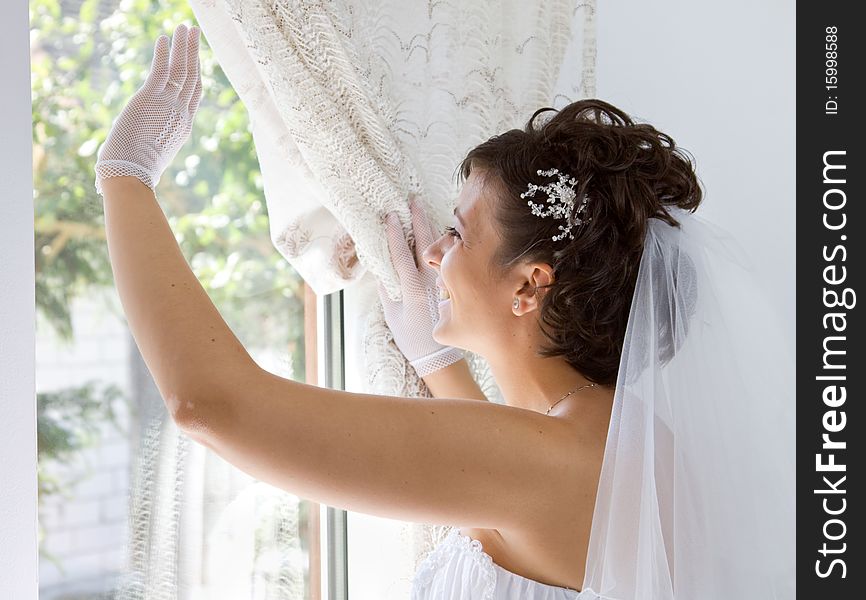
x,y
18,550
718,77
86,529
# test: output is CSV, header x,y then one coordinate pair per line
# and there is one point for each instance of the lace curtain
x,y
355,104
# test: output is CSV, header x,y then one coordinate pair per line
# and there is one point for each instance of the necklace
x,y
569,394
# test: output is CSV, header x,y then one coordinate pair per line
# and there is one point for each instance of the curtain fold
x,y
354,104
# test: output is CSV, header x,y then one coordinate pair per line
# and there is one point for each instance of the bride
x,y
621,464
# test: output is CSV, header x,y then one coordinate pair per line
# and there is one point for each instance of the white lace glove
x,y
158,118
412,320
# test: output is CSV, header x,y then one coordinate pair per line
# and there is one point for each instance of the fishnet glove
x,y
158,118
412,320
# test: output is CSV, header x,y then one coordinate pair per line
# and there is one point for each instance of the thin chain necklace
x,y
588,385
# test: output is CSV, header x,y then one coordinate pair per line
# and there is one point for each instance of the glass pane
x,y
382,551
125,501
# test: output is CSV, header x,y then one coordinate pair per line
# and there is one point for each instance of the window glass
x,y
123,503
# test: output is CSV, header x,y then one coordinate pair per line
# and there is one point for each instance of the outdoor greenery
x,y
84,67
67,422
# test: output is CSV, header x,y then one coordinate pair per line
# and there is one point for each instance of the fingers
x,y
192,74
177,69
384,298
401,256
423,230
158,76
196,91
196,97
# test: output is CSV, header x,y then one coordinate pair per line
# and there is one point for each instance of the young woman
x,y
574,267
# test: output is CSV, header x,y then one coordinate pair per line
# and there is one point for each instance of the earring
x,y
516,302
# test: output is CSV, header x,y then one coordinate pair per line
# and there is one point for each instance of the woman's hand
x,y
158,118
412,320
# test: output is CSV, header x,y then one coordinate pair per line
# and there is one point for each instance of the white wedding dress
x,y
459,569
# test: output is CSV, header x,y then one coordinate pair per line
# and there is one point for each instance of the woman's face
x,y
461,257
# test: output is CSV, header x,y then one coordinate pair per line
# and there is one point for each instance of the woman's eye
x,y
452,232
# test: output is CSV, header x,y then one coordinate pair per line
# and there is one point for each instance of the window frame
x,y
18,475
329,368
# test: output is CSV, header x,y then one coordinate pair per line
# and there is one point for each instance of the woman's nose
x,y
432,254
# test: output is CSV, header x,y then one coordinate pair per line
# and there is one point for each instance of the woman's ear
x,y
542,277
535,286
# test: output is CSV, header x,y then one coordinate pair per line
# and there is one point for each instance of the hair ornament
x,y
561,197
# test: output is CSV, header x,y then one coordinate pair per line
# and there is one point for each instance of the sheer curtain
x,y
354,104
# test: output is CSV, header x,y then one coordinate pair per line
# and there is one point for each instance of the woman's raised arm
x,y
431,460
446,461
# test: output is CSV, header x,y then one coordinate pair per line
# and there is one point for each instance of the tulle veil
x,y
696,495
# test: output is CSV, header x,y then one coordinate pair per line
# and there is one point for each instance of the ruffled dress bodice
x,y
459,569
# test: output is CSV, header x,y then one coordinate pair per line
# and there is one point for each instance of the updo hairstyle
x,y
631,173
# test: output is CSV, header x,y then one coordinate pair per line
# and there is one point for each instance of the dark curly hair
x,y
630,173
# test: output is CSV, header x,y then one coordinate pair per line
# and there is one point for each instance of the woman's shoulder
x,y
552,547
589,418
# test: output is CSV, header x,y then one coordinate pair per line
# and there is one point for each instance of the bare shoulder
x,y
589,419
572,502
552,547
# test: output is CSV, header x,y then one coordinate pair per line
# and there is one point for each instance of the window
x,y
100,463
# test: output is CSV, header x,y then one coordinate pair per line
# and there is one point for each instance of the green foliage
x,y
83,72
84,68
67,422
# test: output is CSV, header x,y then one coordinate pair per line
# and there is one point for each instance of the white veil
x,y
696,496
